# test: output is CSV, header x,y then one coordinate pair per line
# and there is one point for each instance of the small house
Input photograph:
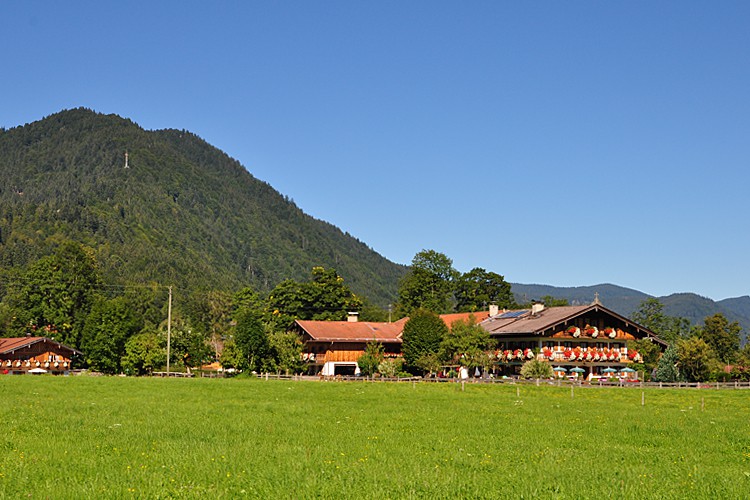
x,y
21,355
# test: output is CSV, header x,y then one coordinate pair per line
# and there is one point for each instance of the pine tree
x,y
666,368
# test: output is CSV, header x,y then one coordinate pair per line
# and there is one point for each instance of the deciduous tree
x,y
374,355
466,343
108,327
423,333
722,336
696,359
144,352
232,357
325,297
429,284
479,288
669,328
286,348
59,290
649,351
251,339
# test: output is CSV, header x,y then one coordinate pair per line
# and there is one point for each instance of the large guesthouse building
x,y
591,340
588,339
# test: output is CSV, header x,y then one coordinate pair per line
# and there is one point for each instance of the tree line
x,y
122,328
710,351
707,352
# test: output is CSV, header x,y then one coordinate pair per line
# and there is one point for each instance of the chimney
x,y
352,317
536,308
493,310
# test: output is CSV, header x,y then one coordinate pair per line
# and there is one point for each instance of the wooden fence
x,y
513,381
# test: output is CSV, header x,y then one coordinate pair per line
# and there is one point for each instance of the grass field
x,y
89,437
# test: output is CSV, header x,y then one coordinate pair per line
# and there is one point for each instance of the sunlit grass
x,y
80,437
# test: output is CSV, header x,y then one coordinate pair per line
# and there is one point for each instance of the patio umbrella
x,y
627,370
609,370
38,370
559,369
578,369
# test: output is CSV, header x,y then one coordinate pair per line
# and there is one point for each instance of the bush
x,y
391,367
369,361
536,369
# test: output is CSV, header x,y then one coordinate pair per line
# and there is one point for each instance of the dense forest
x,y
183,213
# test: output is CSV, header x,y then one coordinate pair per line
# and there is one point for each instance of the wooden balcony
x,y
26,365
333,356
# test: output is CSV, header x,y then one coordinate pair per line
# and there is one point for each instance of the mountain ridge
x,y
184,212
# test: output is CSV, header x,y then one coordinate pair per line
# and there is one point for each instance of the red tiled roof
x,y
365,331
357,331
13,344
478,316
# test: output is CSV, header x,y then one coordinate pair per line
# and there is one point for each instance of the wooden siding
x,y
40,355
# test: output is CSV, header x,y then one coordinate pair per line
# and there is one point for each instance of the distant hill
x,y
183,213
625,301
740,305
620,299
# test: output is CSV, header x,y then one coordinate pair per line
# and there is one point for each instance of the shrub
x,y
390,367
372,357
536,369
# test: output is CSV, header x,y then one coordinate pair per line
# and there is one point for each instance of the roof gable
x,y
551,318
8,345
352,331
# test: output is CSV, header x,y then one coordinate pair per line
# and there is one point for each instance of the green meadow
x,y
101,437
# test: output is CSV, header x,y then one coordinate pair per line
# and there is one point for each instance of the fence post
x,y
643,398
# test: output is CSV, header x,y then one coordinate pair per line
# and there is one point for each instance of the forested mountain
x,y
625,301
183,213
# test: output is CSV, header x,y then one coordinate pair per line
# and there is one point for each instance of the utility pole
x,y
169,326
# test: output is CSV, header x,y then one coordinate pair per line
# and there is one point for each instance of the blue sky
x,y
565,143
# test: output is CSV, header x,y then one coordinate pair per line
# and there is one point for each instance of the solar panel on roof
x,y
512,314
